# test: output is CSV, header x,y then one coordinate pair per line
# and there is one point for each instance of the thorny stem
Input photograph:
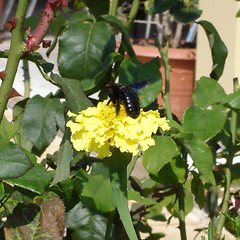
x,y
26,75
226,197
182,225
166,95
34,39
18,48
14,56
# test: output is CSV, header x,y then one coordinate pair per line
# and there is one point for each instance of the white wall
x,y
221,13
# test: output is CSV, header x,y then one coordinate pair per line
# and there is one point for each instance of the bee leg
x,y
117,108
109,101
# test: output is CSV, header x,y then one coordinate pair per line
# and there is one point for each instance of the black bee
x,y
126,94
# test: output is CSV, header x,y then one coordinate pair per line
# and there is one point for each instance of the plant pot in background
x,y
182,75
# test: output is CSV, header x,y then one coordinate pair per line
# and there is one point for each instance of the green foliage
x,y
152,161
86,224
95,43
37,188
185,14
218,49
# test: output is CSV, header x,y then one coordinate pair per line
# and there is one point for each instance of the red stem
x,y
34,39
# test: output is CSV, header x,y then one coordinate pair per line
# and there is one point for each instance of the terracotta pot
x,y
182,75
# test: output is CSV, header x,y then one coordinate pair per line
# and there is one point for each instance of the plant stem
x,y
167,68
14,56
182,225
133,13
113,7
26,75
131,165
226,197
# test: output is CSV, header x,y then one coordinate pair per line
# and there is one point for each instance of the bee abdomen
x,y
131,102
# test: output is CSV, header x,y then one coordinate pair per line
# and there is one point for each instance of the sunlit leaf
x,y
207,92
79,59
95,192
203,123
65,156
35,180
7,129
75,96
157,156
232,100
39,121
134,195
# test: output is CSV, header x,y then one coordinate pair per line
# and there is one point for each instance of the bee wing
x,y
139,85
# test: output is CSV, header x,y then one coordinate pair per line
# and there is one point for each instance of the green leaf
x,y
185,14
13,161
218,49
157,156
92,86
118,25
208,92
197,189
117,164
86,224
171,173
38,59
80,59
81,16
32,221
65,156
7,129
161,6
70,197
39,121
235,174
238,14
2,190
35,180
232,100
210,231
130,72
75,96
58,22
202,157
97,8
155,213
203,123
95,192
134,195
20,138
34,57
31,22
60,115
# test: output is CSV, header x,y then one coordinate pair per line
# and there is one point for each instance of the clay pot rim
x,y
173,53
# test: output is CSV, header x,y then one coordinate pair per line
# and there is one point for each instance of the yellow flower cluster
x,y
98,128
